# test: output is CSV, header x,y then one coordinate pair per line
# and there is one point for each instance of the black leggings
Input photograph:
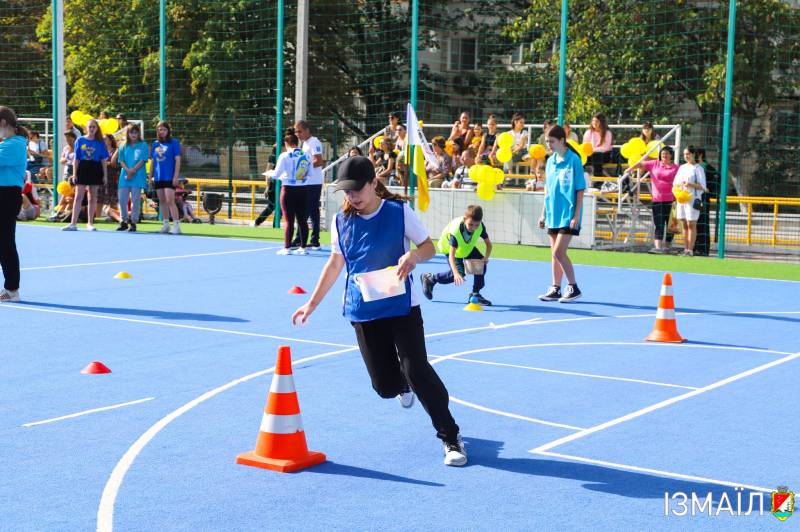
x,y
394,350
293,205
597,160
10,204
661,210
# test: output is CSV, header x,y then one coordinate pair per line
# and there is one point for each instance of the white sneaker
x,y
70,227
9,296
455,454
176,229
252,223
90,227
406,398
284,251
164,229
300,251
316,248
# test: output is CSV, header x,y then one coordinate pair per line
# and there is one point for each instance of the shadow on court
x,y
332,468
142,313
486,453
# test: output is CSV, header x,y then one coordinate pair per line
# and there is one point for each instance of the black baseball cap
x,y
354,173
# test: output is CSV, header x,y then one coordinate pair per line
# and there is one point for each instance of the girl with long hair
x,y
13,162
89,172
132,178
601,139
164,173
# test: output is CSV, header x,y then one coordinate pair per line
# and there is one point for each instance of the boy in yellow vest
x,y
463,239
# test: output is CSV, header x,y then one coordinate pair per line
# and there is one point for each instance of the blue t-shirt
x,y
163,155
13,161
131,154
90,150
563,180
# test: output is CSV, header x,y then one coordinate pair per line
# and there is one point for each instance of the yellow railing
x,y
240,211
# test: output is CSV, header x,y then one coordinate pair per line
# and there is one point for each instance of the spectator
x,y
702,245
386,163
182,201
690,177
648,133
400,144
69,126
30,203
109,194
519,149
354,151
63,210
164,172
601,139
132,157
562,212
487,147
538,164
390,131
455,157
13,159
269,196
292,168
662,174
439,172
122,122
462,130
68,154
103,115
571,135
313,149
477,137
461,177
90,172
463,239
37,153
543,137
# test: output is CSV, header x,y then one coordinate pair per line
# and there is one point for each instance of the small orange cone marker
x,y
281,444
95,368
296,290
666,328
123,275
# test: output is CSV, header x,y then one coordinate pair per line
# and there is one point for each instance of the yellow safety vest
x,y
464,248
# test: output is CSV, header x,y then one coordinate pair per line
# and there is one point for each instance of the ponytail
x,y
8,114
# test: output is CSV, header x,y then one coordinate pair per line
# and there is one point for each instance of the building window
x,y
463,54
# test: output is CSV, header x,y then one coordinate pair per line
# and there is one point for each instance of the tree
x,y
26,79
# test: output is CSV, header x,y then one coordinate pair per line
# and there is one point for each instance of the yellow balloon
x,y
79,118
537,151
638,146
485,191
681,195
485,173
108,126
586,149
64,188
498,176
148,165
505,140
421,123
657,151
448,148
625,150
474,170
377,141
504,155
577,148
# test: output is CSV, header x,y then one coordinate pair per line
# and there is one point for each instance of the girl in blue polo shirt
x,y
133,177
89,172
561,212
13,161
372,233
165,171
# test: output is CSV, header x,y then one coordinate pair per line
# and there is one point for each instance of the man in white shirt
x,y
313,148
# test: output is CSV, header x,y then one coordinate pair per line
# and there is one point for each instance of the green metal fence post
x,y
726,129
162,54
56,134
414,81
562,63
276,221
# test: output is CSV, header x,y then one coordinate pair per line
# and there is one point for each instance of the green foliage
x,y
25,69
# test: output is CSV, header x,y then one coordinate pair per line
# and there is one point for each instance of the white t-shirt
x,y
414,232
312,147
691,173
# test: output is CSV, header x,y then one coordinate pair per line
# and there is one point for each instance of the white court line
x,y
662,404
167,324
514,416
658,472
105,511
149,259
91,411
575,373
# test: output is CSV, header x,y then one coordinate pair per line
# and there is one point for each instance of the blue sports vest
x,y
369,245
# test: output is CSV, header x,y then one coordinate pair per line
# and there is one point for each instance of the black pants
x,y
447,277
394,350
702,245
293,205
265,213
313,193
597,160
661,210
10,204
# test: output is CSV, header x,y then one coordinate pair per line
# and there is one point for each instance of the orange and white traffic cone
x,y
666,328
281,444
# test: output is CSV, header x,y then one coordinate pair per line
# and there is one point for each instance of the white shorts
x,y
686,212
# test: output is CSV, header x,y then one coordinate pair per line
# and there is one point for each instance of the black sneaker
x,y
552,294
480,299
427,285
573,293
122,226
132,228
